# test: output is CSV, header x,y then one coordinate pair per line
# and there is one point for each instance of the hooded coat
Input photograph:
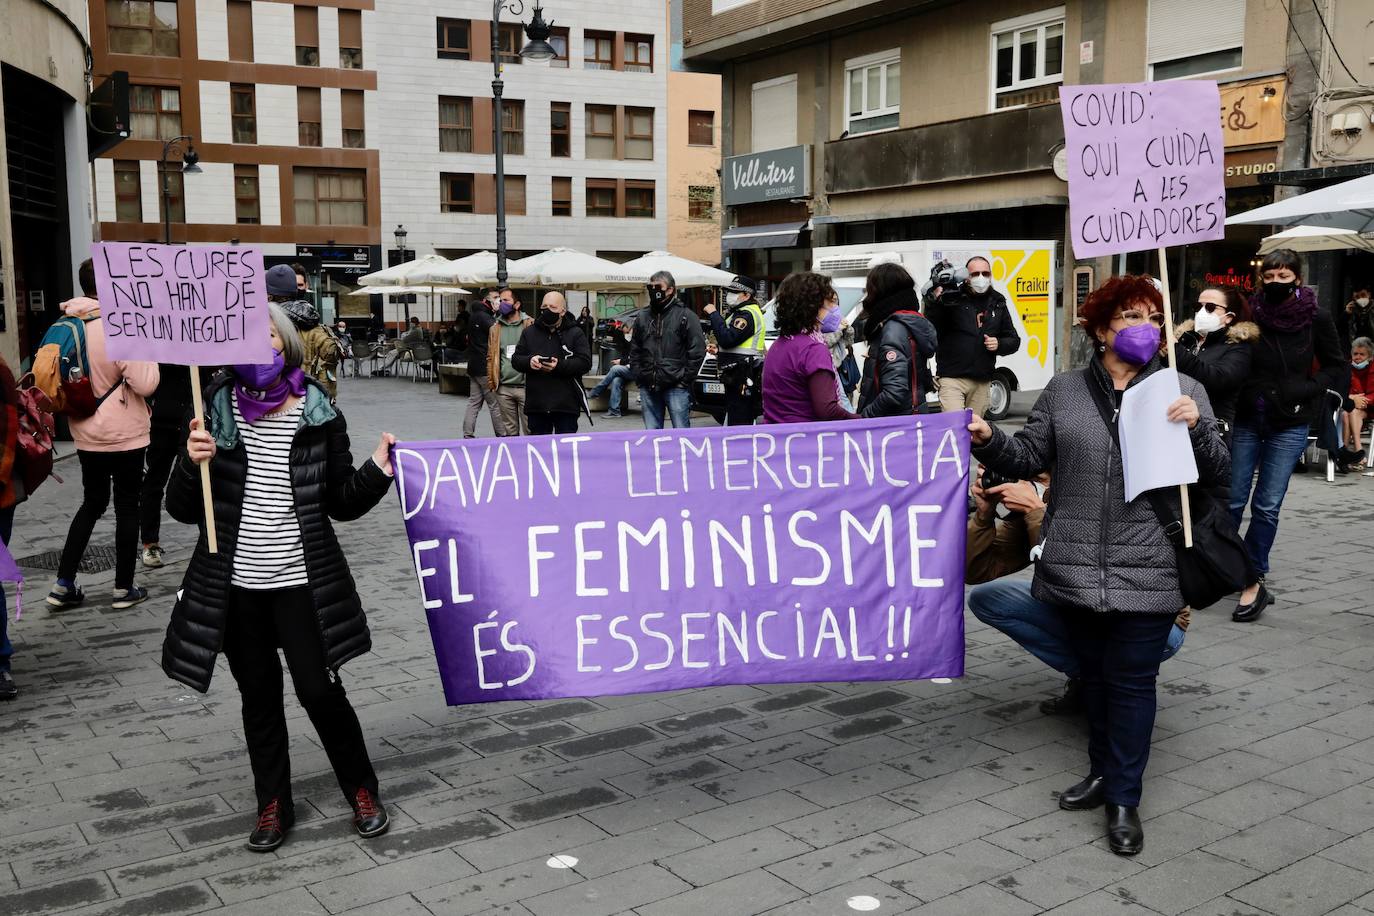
x,y
123,421
1220,361
899,343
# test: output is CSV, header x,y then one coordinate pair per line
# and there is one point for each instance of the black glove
x,y
1189,340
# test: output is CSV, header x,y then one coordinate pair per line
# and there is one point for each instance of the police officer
x,y
740,342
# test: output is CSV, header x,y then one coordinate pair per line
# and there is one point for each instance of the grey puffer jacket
x,y
1099,551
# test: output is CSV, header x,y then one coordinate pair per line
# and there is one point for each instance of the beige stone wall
x,y
689,165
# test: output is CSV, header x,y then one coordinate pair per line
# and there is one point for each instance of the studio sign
x,y
780,174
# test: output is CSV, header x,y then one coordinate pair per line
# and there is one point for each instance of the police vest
x,y
754,346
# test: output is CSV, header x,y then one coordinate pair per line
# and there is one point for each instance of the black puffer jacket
x,y
326,487
667,347
479,333
1220,361
559,391
1100,552
962,318
890,386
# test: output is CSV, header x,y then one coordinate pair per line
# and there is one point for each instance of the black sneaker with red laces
x,y
273,822
369,817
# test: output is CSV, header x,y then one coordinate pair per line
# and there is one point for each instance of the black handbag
x,y
1218,564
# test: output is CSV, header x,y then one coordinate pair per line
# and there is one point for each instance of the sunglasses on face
x,y
980,273
1210,307
1136,316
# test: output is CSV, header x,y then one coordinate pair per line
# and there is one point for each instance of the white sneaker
x,y
152,556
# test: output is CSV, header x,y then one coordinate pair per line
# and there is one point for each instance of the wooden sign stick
x,y
1169,338
198,400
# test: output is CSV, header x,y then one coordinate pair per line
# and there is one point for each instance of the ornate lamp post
x,y
189,166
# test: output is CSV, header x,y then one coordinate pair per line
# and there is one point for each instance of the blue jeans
x,y
6,649
1039,628
678,402
1275,453
615,381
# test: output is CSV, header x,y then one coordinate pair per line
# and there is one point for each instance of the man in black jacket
x,y
975,327
554,355
665,353
480,320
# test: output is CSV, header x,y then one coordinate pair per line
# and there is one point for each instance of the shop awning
x,y
777,235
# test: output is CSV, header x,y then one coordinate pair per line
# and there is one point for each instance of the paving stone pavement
x,y
128,794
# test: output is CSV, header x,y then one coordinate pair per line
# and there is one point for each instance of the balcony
x,y
757,27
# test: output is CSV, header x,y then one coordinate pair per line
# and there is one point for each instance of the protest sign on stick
x,y
190,305
633,562
1145,171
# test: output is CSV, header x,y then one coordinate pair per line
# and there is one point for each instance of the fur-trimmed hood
x,y
1238,332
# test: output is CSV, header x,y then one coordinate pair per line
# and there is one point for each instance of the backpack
x,y
35,428
62,372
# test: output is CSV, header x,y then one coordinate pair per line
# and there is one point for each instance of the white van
x,y
1022,271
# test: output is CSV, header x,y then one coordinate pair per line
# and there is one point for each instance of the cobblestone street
x,y
129,794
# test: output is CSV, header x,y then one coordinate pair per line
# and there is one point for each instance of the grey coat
x,y
1099,552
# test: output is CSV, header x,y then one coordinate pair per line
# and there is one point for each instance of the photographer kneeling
x,y
999,546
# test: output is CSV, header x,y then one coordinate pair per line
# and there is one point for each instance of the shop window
x,y
639,199
515,195
330,197
240,16
455,192
455,39
639,53
600,197
600,132
145,28
307,36
455,124
513,127
308,120
562,197
701,128
154,112
171,192
598,51
639,133
1028,58
873,92
558,40
352,117
351,39
243,108
128,191
560,129
701,203
247,204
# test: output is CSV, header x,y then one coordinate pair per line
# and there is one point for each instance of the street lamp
x,y
537,49
400,236
189,158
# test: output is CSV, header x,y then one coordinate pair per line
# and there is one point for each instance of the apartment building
x,y
280,101
874,121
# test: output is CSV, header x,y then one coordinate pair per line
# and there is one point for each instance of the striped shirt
x,y
270,553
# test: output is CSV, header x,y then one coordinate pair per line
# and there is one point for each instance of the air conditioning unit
x,y
833,263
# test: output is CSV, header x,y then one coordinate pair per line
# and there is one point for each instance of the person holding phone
x,y
554,354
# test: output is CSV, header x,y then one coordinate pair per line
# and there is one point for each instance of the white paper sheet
x,y
1154,452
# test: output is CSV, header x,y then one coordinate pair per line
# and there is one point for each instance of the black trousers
x,y
1119,655
167,440
259,623
545,424
100,471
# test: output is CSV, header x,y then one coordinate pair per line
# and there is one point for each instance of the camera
x,y
946,275
993,479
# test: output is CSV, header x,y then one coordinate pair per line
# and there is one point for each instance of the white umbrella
x,y
686,273
1316,238
428,270
476,269
407,290
567,268
1348,205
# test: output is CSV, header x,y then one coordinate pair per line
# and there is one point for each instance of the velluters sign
x,y
778,174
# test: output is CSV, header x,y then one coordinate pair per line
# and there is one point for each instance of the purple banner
x,y
1145,165
614,563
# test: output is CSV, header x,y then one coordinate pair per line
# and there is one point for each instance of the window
x,y
701,203
169,175
639,199
154,112
598,51
560,129
600,132
558,40
330,197
455,124
243,111
562,197
639,53
701,128
455,39
872,92
246,202
639,133
143,28
351,39
351,115
773,113
308,116
240,29
307,36
128,192
1179,45
1211,62
601,197
513,127
515,195
1028,58
512,39
455,193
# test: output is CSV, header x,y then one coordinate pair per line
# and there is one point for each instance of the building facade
x,y
933,119
280,101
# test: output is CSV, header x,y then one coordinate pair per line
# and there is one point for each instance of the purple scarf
x,y
1293,314
256,403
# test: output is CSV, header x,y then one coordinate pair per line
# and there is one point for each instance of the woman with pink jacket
x,y
110,445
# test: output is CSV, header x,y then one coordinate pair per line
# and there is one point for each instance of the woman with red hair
x,y
1106,563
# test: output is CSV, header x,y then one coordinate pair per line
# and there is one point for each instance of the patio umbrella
x,y
687,273
407,290
475,269
1348,205
567,268
1316,238
430,269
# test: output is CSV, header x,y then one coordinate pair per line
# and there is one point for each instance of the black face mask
x,y
1277,293
658,296
548,317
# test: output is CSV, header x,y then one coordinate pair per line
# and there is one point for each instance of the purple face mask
x,y
1137,343
831,322
260,377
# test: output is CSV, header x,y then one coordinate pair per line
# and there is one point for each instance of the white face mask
x,y
1362,302
979,285
1206,322
734,298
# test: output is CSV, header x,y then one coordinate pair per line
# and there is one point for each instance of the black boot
x,y
1068,703
1083,796
1249,613
273,823
1124,833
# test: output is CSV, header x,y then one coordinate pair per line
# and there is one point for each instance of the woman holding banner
x,y
799,380
280,469
1106,563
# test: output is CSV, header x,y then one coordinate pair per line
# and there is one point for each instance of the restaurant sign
x,y
779,174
